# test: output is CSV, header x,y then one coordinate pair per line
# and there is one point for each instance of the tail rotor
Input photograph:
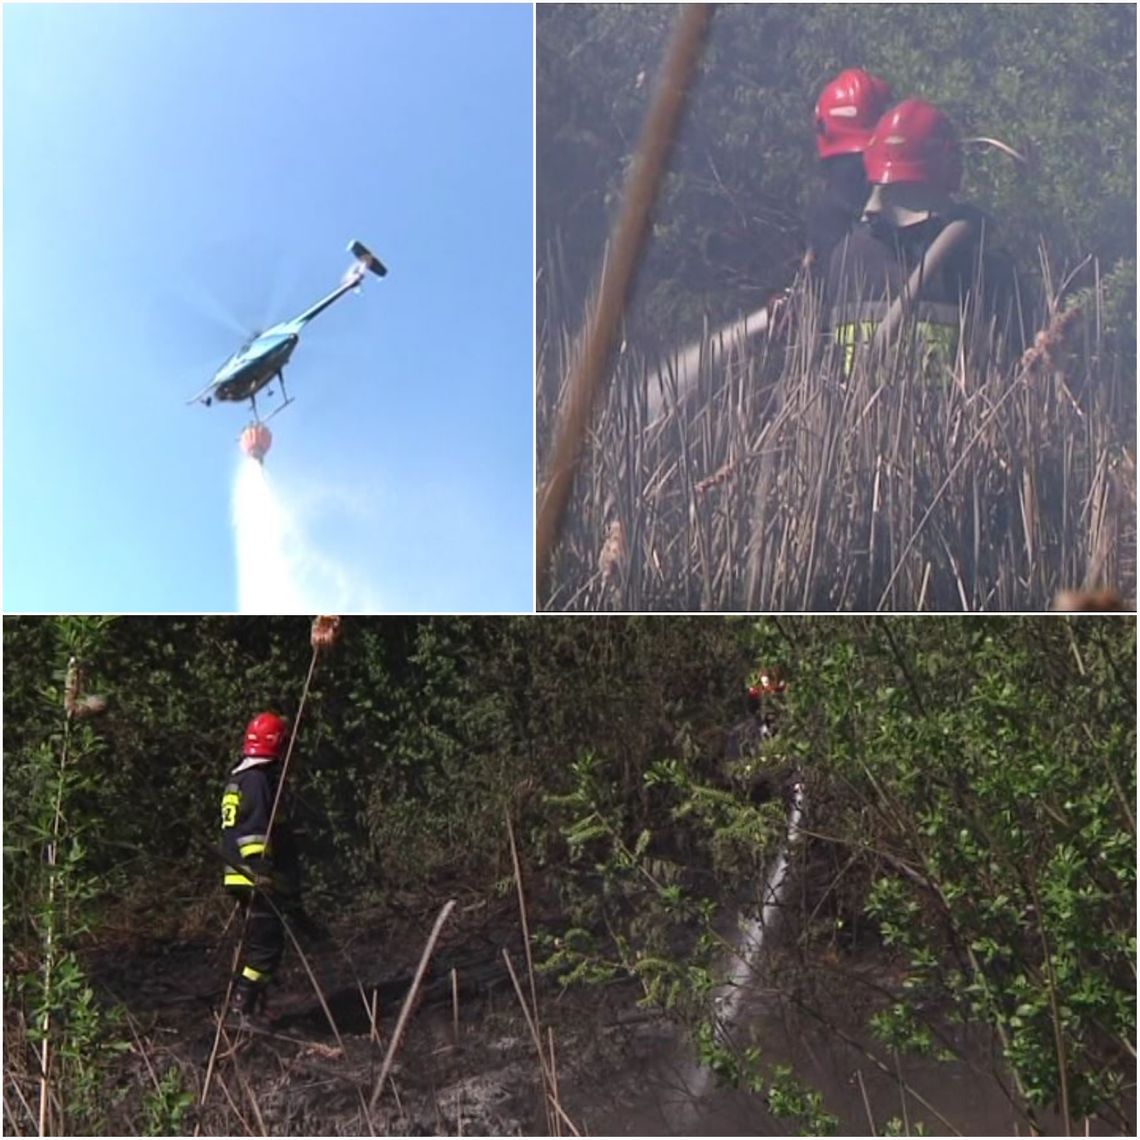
x,y
366,260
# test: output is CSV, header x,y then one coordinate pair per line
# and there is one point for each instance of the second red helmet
x,y
264,735
847,111
914,142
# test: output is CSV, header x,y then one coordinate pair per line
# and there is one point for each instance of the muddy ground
x,y
469,1066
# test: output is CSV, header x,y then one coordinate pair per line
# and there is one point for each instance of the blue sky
x,y
176,174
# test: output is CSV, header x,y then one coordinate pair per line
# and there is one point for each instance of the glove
x,y
260,870
779,312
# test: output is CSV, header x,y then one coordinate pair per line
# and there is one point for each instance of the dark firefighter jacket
x,y
746,739
870,267
831,217
246,805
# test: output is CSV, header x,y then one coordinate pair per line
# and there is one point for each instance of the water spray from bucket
x,y
280,570
263,534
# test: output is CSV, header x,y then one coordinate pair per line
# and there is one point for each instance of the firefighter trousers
x,y
264,941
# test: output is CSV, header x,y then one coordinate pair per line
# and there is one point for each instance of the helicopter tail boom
x,y
367,258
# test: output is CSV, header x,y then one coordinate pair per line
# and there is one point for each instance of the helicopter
x,y
264,356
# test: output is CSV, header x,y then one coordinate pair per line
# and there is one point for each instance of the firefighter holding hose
x,y
914,241
750,769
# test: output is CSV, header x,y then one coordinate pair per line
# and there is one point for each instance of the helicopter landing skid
x,y
286,400
280,408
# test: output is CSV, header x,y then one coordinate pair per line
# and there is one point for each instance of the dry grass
x,y
770,482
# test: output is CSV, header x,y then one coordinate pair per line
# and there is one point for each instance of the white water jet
x,y
279,570
729,996
681,369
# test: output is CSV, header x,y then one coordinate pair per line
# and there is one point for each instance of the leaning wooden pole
x,y
596,341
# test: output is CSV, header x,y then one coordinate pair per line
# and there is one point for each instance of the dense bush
x,y
418,735
970,789
1056,81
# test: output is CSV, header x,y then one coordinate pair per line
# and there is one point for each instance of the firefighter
x,y
914,163
766,687
845,115
763,692
272,884
749,770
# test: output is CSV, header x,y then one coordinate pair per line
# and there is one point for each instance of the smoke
x,y
279,568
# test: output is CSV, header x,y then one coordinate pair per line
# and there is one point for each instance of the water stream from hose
x,y
681,370
747,942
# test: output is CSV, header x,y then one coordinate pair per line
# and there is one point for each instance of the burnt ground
x,y
466,1062
469,1065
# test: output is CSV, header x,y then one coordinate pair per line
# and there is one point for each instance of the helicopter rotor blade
x,y
207,304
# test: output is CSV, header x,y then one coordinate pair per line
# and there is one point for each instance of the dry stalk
x,y
252,1098
526,939
866,1102
455,1004
554,1079
549,1081
23,1104
409,1002
246,1128
51,857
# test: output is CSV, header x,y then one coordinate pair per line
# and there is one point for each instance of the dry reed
x,y
775,483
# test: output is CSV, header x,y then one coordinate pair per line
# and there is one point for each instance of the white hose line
x,y
680,371
730,995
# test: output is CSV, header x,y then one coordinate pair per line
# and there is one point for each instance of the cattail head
x,y
1049,340
75,706
71,686
612,554
1089,601
325,631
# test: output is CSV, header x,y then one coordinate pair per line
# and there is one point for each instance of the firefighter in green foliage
x,y
749,766
261,869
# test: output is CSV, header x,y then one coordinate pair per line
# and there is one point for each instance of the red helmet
x,y
264,735
766,682
914,142
847,111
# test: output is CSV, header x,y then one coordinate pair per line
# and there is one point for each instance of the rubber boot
x,y
247,1004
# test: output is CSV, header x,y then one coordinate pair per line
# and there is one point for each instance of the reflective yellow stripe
x,y
253,975
849,335
230,803
237,879
247,849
